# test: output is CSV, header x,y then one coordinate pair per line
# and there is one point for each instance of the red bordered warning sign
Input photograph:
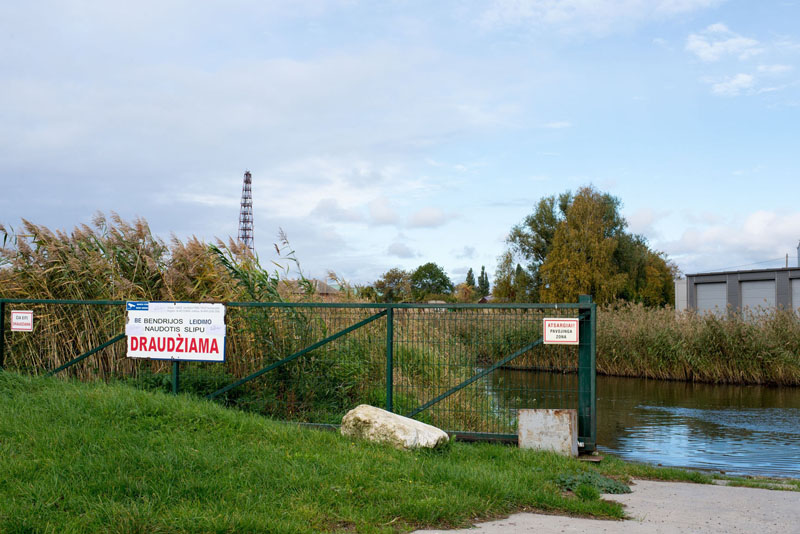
x,y
21,320
559,331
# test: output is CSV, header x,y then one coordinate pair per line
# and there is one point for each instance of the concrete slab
x,y
549,430
669,508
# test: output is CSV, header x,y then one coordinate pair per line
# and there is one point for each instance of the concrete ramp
x,y
669,508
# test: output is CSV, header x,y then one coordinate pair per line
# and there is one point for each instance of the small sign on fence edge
x,y
560,331
22,320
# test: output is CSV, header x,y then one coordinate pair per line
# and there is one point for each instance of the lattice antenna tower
x,y
246,213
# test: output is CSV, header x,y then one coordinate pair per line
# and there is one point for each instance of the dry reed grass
x,y
760,348
110,260
115,260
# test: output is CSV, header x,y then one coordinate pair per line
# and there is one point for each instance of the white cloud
x,y
644,220
330,210
702,218
773,89
733,85
575,17
427,218
202,199
758,236
457,167
676,7
775,69
718,41
381,212
752,172
557,124
400,250
331,187
663,43
466,253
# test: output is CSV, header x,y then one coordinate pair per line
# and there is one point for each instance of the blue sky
x,y
389,134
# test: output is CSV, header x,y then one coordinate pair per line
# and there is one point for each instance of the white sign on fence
x,y
21,320
560,331
176,331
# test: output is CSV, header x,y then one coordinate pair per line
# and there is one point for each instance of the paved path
x,y
670,508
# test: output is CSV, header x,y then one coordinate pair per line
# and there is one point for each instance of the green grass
x,y
91,457
94,457
616,468
781,484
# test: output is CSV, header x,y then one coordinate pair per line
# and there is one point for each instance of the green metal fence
x,y
466,368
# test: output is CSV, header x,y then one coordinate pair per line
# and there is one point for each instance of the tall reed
x,y
736,348
109,260
116,260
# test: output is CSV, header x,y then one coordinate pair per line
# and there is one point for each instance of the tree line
x,y
426,282
578,243
571,244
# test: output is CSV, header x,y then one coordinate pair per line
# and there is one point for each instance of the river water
x,y
740,430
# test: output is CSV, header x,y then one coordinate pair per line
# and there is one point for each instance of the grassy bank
x,y
78,457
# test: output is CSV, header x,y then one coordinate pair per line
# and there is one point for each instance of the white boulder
x,y
374,424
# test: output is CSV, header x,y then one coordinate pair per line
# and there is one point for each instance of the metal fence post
x,y
2,334
175,377
389,358
587,401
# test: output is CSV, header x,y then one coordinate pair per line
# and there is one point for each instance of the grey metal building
x,y
741,290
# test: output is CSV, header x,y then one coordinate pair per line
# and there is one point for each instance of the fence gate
x,y
470,369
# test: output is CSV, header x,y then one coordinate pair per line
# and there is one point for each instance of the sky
x,y
387,134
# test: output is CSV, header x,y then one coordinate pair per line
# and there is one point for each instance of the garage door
x,y
757,295
796,295
711,298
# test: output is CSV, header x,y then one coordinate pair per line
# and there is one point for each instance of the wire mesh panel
x,y
61,333
438,351
319,385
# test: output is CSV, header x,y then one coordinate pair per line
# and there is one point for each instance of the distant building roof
x,y
775,269
320,287
754,289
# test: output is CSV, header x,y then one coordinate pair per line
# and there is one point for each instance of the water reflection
x,y
747,430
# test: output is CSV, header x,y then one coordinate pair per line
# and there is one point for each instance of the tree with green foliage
x,y
464,293
394,286
523,284
470,279
367,293
430,279
511,284
578,243
483,283
533,237
503,289
581,256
